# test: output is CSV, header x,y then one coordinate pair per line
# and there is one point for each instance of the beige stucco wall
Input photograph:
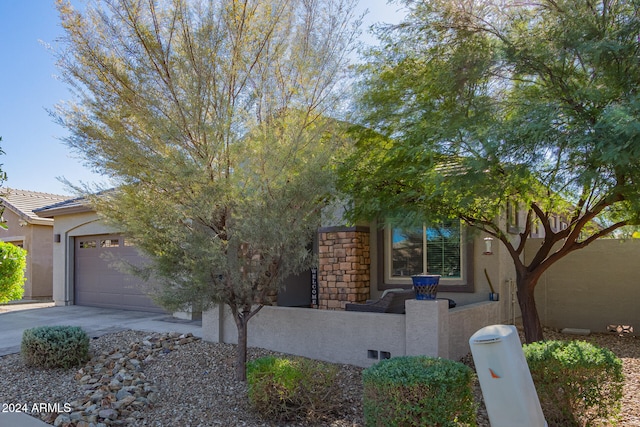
x,y
591,288
429,328
68,227
40,260
38,241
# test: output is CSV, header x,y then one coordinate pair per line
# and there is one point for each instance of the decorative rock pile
x,y
114,389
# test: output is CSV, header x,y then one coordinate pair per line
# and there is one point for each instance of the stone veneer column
x,y
344,266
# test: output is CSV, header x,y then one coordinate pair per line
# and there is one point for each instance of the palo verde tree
x,y
212,118
472,104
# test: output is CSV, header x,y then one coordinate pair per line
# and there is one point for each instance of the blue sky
x,y
35,157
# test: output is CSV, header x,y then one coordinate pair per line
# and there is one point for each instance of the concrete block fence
x,y
356,338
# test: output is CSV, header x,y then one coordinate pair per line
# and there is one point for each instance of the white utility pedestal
x,y
505,380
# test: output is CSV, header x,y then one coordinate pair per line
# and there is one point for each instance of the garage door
x,y
99,283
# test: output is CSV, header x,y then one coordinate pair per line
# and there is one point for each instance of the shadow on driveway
x,y
95,322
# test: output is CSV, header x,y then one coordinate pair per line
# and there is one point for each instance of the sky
x,y
35,157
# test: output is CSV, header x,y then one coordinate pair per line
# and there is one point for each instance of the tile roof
x,y
68,206
24,202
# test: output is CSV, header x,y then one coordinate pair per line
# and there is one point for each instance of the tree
x,y
212,118
3,178
13,262
470,105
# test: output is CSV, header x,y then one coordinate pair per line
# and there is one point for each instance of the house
x,y
361,262
33,233
86,254
355,264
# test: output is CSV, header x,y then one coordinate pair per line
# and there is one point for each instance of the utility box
x,y
505,380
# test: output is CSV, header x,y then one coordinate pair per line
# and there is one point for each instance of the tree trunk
x,y
526,284
242,319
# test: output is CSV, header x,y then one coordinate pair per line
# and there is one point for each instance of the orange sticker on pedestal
x,y
493,374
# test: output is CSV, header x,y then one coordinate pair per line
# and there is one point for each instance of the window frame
x,y
386,281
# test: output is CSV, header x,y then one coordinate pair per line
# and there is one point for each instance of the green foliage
x,y
418,391
55,346
469,105
211,117
3,177
13,262
578,383
290,389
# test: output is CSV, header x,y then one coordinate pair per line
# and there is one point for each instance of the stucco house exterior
x,y
361,262
86,253
354,264
33,233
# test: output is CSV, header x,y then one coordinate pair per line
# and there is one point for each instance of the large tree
x,y
472,104
3,178
217,122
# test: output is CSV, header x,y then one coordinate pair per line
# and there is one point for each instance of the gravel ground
x,y
197,388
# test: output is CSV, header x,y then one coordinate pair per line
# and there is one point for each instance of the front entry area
x,y
97,281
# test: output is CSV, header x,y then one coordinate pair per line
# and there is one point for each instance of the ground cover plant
x,y
578,383
293,388
418,391
55,346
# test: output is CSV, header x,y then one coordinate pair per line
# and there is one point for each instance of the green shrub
x,y
13,262
418,391
55,346
288,389
578,383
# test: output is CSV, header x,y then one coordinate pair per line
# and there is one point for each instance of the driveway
x,y
95,322
15,318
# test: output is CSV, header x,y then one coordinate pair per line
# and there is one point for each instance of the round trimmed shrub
x,y
55,346
13,262
578,383
418,391
289,389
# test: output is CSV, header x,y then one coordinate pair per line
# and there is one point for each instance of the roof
x,y
65,207
24,203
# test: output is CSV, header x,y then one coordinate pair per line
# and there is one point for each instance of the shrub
x,y
287,389
418,391
578,383
13,262
55,346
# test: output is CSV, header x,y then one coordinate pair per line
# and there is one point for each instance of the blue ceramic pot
x,y
426,286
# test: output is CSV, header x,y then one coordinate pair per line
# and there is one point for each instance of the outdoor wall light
x,y
488,243
56,238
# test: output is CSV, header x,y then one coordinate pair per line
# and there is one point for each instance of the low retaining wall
x,y
356,338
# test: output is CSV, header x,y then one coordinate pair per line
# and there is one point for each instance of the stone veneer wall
x,y
344,266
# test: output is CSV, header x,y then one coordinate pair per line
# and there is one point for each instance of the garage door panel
x,y
99,283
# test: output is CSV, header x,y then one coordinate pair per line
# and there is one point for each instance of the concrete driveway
x,y
14,319
95,322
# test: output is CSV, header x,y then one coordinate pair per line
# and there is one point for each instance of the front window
x,y
433,250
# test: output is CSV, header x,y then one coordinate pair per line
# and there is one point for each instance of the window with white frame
x,y
433,250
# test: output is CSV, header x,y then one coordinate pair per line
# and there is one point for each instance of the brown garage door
x,y
99,283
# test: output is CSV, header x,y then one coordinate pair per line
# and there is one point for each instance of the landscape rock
x,y
61,419
112,389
